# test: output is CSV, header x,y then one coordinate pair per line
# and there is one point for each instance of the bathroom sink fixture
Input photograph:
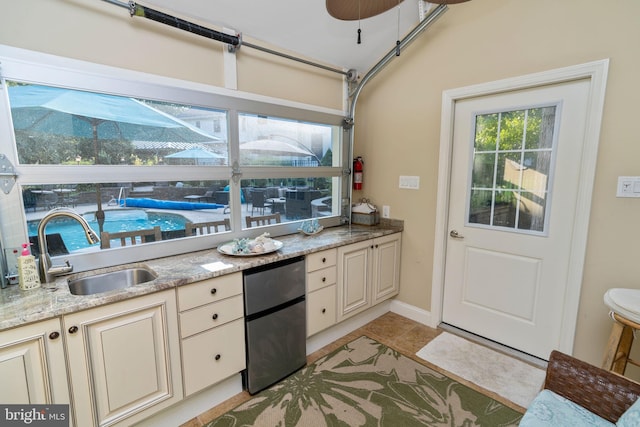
x,y
110,281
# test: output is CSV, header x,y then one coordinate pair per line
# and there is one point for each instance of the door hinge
x,y
8,174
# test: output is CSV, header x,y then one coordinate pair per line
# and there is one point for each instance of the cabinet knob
x,y
324,259
371,246
73,329
54,335
217,357
324,310
215,316
214,291
324,279
376,246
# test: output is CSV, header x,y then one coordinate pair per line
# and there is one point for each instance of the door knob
x,y
456,235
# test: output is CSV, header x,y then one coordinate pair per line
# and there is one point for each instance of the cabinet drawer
x,y
207,291
320,278
212,356
320,260
321,309
211,315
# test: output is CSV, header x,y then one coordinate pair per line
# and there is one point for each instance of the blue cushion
x,y
631,417
551,410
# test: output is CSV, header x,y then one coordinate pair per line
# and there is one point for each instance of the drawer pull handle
x,y
324,259
324,279
54,335
324,310
215,316
217,357
214,291
73,329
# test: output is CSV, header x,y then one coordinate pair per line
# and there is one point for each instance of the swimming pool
x,y
115,220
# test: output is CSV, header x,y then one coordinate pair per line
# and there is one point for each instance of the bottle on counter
x,y
27,270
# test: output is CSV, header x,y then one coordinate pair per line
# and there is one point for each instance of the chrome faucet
x,y
46,269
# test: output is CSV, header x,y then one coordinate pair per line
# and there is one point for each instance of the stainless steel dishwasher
x,y
275,322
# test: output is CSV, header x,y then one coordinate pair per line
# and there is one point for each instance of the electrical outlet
x,y
628,186
386,211
409,182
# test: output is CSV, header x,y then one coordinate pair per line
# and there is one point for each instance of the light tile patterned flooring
x,y
393,330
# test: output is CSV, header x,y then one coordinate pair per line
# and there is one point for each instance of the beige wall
x,y
398,128
102,33
398,115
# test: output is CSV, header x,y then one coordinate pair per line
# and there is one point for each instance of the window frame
x,y
35,68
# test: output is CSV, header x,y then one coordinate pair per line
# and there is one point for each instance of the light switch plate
x,y
628,186
410,182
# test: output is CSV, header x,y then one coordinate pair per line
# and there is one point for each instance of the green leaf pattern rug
x,y
365,383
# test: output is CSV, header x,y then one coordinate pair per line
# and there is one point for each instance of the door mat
x,y
506,376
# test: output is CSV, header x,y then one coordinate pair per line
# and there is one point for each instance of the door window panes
x,y
512,158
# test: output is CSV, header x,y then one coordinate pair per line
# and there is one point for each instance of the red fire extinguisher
x,y
358,165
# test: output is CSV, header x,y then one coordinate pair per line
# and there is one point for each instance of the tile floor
x,y
393,330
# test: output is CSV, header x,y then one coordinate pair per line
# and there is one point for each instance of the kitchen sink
x,y
110,281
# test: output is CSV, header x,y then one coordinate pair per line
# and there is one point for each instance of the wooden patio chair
x,y
128,238
201,228
257,221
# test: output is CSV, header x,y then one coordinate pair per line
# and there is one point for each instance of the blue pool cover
x,y
167,204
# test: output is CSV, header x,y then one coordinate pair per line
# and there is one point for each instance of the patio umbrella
x,y
199,156
274,148
57,111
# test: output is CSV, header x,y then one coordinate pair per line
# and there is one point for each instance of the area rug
x,y
510,378
365,383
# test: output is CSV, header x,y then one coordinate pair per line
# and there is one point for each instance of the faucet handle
x,y
57,270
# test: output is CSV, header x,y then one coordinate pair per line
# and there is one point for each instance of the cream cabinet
x,y
385,276
368,273
32,364
321,290
124,360
211,331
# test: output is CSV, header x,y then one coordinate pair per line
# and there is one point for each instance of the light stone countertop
x,y
18,307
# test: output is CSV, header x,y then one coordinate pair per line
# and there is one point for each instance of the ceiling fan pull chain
x,y
398,39
359,30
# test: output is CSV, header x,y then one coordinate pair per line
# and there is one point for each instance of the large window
x,y
133,154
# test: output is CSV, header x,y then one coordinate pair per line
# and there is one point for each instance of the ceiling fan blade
x,y
352,10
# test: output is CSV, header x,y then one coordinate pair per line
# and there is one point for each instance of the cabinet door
x,y
386,267
32,365
354,269
124,359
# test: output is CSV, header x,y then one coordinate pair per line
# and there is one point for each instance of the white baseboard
x,y
411,312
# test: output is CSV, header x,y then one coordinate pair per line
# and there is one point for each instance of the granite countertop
x,y
20,307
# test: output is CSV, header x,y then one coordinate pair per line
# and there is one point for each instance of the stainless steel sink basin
x,y
104,282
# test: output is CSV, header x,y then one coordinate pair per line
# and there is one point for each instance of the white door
x,y
514,179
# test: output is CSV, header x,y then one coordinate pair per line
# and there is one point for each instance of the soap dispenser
x,y
27,270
